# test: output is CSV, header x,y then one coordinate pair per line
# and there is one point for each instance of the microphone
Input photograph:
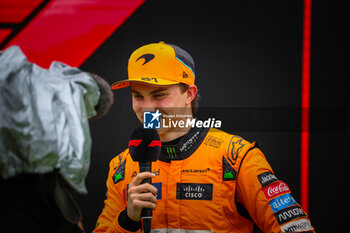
x,y
144,147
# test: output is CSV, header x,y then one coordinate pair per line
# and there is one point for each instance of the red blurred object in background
x,y
62,30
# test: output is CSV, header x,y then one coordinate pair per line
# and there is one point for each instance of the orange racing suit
x,y
207,181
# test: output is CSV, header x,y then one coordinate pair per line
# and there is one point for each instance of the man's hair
x,y
194,103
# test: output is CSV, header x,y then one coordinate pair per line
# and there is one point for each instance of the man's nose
x,y
148,105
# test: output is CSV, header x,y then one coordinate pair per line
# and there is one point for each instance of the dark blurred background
x,y
248,57
248,63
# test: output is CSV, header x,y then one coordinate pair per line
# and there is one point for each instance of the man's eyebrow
x,y
151,93
158,90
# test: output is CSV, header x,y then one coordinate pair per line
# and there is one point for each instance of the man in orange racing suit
x,y
205,179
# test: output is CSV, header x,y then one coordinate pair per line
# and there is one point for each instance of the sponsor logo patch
x,y
171,152
120,159
148,57
119,174
184,75
195,172
298,225
228,173
266,178
156,172
275,189
235,147
189,143
288,214
193,191
167,230
282,202
159,187
213,141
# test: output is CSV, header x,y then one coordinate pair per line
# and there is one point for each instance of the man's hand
x,y
141,196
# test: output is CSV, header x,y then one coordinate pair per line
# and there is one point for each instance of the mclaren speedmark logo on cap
x,y
148,57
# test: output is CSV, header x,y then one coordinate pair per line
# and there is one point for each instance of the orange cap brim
x,y
152,81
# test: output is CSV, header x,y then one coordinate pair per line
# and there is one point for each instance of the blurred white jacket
x,y
44,118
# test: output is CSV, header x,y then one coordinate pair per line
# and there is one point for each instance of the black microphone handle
x,y
146,213
146,167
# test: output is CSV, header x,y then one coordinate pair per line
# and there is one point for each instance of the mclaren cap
x,y
159,64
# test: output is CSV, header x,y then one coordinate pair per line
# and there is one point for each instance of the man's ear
x,y
191,93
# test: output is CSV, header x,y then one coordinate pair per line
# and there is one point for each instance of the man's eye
x,y
159,95
138,96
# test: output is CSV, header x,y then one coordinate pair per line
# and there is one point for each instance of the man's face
x,y
150,98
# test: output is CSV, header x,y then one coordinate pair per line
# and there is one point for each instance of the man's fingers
x,y
145,188
144,204
141,176
143,197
